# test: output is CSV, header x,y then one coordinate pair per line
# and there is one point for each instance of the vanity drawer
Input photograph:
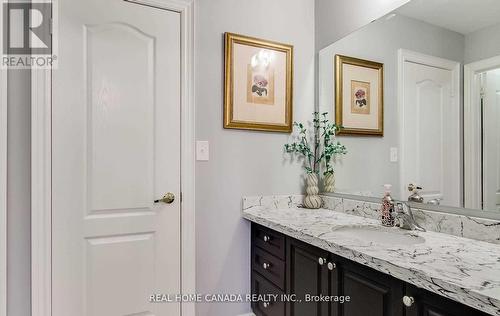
x,y
261,286
269,240
269,266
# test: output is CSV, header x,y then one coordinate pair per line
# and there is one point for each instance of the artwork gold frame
x,y
274,97
360,98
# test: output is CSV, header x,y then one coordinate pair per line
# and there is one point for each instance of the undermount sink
x,y
381,235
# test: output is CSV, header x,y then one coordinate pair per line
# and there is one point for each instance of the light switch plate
x,y
394,154
202,150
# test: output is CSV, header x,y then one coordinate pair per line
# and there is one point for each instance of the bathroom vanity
x,y
428,70
384,271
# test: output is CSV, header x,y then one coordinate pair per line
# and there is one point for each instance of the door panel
x,y
371,292
116,148
306,276
107,272
431,129
121,117
367,296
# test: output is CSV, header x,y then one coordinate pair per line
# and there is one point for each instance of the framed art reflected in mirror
x,y
359,90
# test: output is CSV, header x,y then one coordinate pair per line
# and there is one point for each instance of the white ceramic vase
x,y
329,182
312,199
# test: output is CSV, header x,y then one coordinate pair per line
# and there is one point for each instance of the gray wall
x,y
337,18
18,194
380,41
482,44
241,162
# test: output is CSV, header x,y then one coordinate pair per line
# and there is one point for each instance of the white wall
x,y
380,41
482,44
337,18
241,162
18,194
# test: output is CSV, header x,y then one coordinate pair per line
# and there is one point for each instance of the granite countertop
x,y
465,270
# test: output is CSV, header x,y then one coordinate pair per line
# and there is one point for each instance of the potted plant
x,y
316,146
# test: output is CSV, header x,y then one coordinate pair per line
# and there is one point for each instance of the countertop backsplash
x,y
453,224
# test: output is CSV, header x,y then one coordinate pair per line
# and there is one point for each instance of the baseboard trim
x,y
249,314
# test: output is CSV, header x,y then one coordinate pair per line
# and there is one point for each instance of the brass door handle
x,y
167,198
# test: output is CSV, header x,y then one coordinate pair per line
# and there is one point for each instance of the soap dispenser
x,y
387,208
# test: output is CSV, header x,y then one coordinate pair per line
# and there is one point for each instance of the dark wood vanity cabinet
x,y
285,266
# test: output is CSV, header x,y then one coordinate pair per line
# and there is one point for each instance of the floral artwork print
x,y
360,97
260,85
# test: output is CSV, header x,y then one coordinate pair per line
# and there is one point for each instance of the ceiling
x,y
462,16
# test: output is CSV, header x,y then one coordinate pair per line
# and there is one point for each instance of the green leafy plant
x,y
318,145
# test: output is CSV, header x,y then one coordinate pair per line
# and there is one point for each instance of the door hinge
x,y
482,85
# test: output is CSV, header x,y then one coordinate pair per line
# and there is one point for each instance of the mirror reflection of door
x,y
491,140
430,118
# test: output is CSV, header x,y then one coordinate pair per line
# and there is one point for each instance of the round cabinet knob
x,y
408,301
321,261
266,238
266,265
331,266
266,304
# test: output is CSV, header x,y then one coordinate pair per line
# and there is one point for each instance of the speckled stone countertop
x,y
465,270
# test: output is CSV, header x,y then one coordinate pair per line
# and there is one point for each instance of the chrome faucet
x,y
415,196
404,217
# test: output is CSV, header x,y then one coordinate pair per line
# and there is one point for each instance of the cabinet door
x,y
371,292
306,275
430,304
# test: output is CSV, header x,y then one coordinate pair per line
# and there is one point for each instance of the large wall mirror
x,y
441,103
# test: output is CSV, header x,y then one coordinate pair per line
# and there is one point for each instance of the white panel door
x,y
116,148
431,133
491,142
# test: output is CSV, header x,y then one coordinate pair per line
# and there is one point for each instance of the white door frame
x,y
405,55
3,185
3,190
41,160
472,124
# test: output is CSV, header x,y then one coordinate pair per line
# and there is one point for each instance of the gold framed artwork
x,y
359,96
258,84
